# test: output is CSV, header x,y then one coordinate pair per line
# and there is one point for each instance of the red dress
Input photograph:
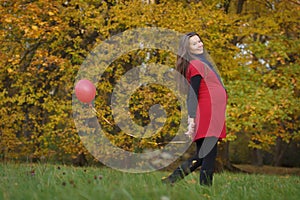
x,y
212,100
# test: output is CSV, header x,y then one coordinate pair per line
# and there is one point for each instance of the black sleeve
x,y
192,100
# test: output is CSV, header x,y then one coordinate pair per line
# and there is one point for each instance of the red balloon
x,y
85,91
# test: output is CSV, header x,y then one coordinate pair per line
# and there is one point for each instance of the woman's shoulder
x,y
196,67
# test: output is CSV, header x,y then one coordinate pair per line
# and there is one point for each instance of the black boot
x,y
186,168
175,176
206,177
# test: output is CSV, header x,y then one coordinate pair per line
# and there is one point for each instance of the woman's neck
x,y
201,56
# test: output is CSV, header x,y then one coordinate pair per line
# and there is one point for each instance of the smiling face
x,y
195,45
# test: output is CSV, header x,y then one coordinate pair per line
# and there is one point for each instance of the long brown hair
x,y
184,56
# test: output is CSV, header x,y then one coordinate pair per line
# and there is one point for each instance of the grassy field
x,y
45,181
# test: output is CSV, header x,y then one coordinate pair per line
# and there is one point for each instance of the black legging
x,y
205,157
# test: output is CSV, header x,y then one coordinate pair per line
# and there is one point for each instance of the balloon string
x,y
95,111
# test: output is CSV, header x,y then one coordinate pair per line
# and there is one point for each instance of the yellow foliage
x,y
43,44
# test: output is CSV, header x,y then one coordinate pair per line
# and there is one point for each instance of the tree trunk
x,y
80,160
257,157
280,149
240,6
226,6
223,161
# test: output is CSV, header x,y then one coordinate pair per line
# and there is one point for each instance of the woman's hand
x,y
191,127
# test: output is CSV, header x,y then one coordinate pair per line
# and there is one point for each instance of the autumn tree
x,y
269,42
43,44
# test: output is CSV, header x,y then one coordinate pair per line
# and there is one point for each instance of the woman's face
x,y
196,45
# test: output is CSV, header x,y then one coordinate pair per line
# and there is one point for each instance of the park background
x,y
255,45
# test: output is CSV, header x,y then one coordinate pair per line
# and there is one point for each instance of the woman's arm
x,y
192,100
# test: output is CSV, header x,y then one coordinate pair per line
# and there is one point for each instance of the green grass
x,y
45,181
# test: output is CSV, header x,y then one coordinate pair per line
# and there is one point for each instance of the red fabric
x,y
212,100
